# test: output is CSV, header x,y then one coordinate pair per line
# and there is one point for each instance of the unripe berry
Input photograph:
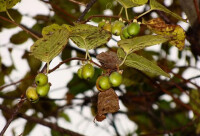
x,y
133,29
31,94
115,79
125,33
87,71
41,79
104,83
101,24
79,72
117,27
43,90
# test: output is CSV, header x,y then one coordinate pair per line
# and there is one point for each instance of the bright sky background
x,y
60,78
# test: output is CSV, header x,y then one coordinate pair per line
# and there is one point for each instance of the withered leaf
x,y
108,59
174,32
108,102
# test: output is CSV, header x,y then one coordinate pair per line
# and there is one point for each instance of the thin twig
x,y
3,18
15,112
41,121
197,9
89,5
70,59
101,16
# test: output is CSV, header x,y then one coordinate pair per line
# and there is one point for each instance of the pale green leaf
x,y
138,43
48,47
11,3
89,37
7,4
48,30
2,5
132,3
65,116
138,62
157,6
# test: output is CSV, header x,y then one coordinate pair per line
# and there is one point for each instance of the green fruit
x,y
107,27
117,27
41,79
104,83
125,33
87,71
79,72
115,79
101,24
31,94
43,90
133,29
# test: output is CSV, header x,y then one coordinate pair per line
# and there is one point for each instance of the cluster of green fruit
x,y
86,72
118,28
41,90
106,82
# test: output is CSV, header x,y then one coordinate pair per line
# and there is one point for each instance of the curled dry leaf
x,y
108,102
175,33
108,60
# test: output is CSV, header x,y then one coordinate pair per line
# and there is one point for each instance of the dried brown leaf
x,y
108,102
108,60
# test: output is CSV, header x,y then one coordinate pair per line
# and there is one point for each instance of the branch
x,y
41,121
70,59
197,9
14,113
89,5
5,19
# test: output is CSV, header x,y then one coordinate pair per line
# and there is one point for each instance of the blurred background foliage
x,y
142,93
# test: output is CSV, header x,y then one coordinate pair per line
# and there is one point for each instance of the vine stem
x,y
70,59
126,14
120,11
23,28
197,9
9,16
144,13
123,60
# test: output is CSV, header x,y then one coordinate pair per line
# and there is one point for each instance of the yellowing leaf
x,y
138,43
132,3
48,30
175,33
138,62
89,37
48,47
157,6
7,4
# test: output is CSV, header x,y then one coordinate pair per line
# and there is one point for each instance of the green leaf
x,y
132,3
48,47
138,62
66,53
19,37
88,36
65,116
28,128
14,14
138,43
48,30
157,6
7,4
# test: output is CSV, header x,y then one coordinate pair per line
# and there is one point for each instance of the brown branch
x,y
41,121
89,5
197,9
70,59
14,83
10,21
14,114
